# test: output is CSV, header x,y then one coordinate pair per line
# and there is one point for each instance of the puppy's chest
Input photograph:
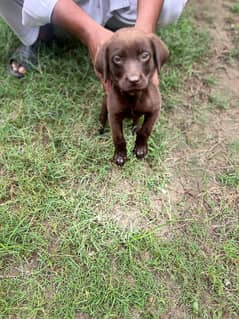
x,y
132,106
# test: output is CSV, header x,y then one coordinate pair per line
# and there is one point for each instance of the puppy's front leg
x,y
116,124
103,115
141,146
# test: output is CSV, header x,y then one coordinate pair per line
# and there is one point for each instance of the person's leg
x,y
11,12
25,55
21,15
171,11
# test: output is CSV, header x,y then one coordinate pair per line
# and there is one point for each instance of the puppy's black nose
x,y
133,78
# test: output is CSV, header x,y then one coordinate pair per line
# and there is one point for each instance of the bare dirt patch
x,y
204,128
205,131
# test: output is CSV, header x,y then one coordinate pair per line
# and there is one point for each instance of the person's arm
x,y
148,15
147,18
71,17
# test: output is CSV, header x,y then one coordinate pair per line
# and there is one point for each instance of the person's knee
x,y
171,11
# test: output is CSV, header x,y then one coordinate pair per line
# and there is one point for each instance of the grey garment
x,y
11,12
38,12
25,17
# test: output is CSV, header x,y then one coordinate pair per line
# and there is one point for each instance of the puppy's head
x,y
130,58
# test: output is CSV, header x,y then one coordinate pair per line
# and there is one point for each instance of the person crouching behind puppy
x,y
90,21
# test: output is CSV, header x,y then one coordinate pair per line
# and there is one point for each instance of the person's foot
x,y
22,60
25,57
18,69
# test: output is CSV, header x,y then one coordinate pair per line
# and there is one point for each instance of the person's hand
x,y
102,36
94,45
155,79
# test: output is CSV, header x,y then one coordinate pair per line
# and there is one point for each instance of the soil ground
x,y
208,124
207,135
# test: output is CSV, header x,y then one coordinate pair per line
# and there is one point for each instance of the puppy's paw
x,y
101,130
141,151
119,158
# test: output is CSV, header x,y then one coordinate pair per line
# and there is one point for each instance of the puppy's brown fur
x,y
129,61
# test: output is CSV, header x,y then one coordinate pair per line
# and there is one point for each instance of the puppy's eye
x,y
145,56
117,59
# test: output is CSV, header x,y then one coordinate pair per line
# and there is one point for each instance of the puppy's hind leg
x,y
103,115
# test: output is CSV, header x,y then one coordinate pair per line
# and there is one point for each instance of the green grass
x,y
235,8
220,101
82,238
230,178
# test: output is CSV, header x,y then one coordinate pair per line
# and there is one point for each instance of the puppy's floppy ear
x,y
161,52
101,62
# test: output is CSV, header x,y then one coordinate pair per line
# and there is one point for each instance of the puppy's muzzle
x,y
133,79
133,82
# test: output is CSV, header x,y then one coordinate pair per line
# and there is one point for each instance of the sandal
x,y
24,56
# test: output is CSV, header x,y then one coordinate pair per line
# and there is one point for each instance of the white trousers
x,y
26,17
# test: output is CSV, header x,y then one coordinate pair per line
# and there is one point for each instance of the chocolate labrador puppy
x,y
128,62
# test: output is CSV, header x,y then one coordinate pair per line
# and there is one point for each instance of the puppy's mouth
x,y
133,91
133,88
